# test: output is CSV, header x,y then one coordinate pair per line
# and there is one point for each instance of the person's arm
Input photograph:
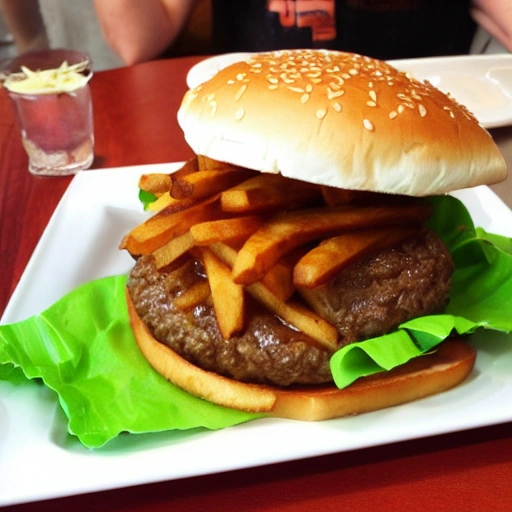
x,y
495,16
24,21
141,30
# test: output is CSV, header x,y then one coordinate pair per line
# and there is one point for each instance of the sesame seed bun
x,y
342,120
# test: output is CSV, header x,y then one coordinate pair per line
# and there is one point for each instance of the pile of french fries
x,y
265,236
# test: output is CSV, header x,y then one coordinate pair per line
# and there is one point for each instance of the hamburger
x,y
300,228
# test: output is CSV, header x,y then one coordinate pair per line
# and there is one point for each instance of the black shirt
x,y
384,29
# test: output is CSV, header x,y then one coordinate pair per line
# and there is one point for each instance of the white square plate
x,y
39,460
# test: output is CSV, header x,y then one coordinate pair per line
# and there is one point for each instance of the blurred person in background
x,y
24,25
39,24
7,46
73,24
386,29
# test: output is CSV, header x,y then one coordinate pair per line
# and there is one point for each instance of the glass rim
x,y
50,58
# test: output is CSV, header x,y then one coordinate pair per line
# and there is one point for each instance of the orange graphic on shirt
x,y
319,15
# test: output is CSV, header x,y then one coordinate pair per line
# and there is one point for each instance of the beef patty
x,y
369,298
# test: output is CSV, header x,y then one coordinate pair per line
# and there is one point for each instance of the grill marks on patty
x,y
369,298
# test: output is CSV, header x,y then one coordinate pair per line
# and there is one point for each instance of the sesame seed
x,y
368,125
287,79
240,76
371,103
295,89
400,109
334,94
422,109
239,114
392,114
231,82
304,98
373,95
273,87
273,80
337,107
309,87
242,89
316,80
321,113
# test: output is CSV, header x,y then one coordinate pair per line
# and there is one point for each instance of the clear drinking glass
x,y
56,117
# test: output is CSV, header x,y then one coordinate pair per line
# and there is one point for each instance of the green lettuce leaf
x,y
481,296
146,198
82,347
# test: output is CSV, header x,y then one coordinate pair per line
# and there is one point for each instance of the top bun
x,y
342,120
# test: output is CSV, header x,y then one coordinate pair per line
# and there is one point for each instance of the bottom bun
x,y
443,369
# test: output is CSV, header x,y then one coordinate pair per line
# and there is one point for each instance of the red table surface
x,y
135,123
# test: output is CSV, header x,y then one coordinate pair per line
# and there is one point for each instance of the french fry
x,y
228,231
206,163
168,223
288,231
278,280
155,183
297,315
162,202
202,184
267,192
338,196
189,167
228,297
224,253
161,184
177,273
327,259
173,249
193,296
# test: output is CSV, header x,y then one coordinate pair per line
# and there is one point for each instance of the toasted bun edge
x,y
421,377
